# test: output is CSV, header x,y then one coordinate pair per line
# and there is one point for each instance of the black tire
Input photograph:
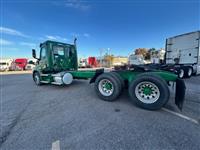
x,y
161,88
119,78
36,78
188,72
115,83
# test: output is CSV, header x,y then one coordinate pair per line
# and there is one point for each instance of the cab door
x,y
43,59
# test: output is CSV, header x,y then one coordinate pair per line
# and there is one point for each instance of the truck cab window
x,y
43,53
58,51
71,52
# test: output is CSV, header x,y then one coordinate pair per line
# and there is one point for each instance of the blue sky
x,y
121,25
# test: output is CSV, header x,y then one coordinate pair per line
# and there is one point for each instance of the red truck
x,y
92,62
21,63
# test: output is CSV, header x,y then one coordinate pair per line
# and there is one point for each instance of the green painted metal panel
x,y
168,76
75,74
132,75
48,78
128,75
83,74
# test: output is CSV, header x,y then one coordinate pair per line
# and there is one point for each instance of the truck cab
x,y
56,57
21,63
31,64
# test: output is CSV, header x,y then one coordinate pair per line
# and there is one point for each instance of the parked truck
x,y
183,51
92,62
57,64
182,55
21,63
134,59
30,64
82,63
6,64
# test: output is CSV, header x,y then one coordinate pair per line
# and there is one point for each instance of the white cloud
x,y
86,35
5,42
50,37
11,32
11,49
28,44
57,38
76,4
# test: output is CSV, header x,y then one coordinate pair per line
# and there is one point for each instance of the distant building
x,y
117,61
157,56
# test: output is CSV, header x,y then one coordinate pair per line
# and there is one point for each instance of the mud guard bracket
x,y
180,93
97,73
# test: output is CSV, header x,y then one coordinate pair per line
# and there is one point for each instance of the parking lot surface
x,y
73,117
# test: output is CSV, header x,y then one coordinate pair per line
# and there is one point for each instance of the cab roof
x,y
55,42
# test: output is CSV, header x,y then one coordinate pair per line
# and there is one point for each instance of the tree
x,y
151,52
152,49
141,51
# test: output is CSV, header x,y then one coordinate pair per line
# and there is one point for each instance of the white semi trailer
x,y
6,64
183,54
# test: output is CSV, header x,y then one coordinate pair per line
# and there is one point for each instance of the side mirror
x,y
34,53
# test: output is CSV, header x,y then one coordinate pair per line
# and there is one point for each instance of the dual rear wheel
x,y
148,91
109,86
185,72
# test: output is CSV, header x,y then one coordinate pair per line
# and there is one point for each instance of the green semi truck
x,y
147,88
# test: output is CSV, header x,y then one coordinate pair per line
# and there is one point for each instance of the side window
x,y
58,50
43,53
71,51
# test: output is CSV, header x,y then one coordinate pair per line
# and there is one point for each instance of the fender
x,y
97,73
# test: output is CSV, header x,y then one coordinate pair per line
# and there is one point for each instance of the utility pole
x,y
109,56
101,60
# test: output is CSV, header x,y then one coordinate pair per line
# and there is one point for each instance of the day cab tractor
x,y
58,64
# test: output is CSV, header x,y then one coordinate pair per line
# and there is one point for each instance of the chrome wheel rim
x,y
106,87
181,73
37,79
189,72
147,92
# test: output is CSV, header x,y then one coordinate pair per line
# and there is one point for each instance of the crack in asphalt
x,y
6,134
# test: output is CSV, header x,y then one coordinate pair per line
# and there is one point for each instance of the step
x,y
44,81
56,83
56,75
44,75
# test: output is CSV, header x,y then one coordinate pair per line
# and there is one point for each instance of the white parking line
x,y
56,145
181,116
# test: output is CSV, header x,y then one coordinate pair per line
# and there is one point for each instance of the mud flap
x,y
180,93
97,73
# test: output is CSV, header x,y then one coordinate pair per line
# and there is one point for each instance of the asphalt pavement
x,y
73,117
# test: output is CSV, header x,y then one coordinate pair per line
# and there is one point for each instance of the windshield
x,y
19,62
31,62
